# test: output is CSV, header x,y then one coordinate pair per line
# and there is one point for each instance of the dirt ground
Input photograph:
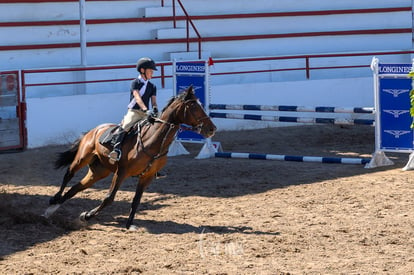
x,y
220,216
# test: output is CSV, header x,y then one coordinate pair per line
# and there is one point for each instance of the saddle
x,y
108,138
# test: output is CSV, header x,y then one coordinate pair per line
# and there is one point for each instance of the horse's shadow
x,y
171,227
23,226
116,216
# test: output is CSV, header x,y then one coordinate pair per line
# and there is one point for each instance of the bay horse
x,y
144,153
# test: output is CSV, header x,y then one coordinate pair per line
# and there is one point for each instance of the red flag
x,y
210,61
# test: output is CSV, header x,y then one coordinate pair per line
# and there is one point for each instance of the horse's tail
x,y
66,158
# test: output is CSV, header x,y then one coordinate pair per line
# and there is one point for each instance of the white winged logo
x,y
397,133
185,87
396,92
396,113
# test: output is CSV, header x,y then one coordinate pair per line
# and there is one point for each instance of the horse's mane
x,y
172,99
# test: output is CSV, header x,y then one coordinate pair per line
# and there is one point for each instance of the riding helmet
x,y
146,63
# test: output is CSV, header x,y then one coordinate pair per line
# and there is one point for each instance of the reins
x,y
160,153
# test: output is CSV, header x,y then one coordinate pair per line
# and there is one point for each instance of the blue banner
x,y
395,118
187,74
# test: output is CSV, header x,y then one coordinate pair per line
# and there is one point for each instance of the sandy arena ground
x,y
220,216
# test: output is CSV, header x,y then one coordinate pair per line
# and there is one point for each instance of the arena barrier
x,y
313,120
287,108
294,119
293,158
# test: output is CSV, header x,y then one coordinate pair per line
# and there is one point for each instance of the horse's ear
x,y
190,89
189,92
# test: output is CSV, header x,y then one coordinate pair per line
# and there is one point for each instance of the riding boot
x,y
116,153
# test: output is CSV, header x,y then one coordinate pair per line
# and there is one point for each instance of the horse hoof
x,y
133,228
53,200
50,210
83,216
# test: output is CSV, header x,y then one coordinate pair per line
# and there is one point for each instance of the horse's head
x,y
188,110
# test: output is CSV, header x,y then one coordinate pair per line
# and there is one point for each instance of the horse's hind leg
x,y
55,200
95,173
116,183
79,155
68,176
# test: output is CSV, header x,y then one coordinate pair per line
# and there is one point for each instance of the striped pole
x,y
339,121
288,108
293,158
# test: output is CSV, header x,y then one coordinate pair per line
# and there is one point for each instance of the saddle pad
x,y
107,137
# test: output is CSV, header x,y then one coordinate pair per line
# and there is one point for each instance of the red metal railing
x,y
307,68
25,85
205,39
188,23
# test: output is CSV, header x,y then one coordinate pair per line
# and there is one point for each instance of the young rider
x,y
142,92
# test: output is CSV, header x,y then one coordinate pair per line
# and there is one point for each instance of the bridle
x,y
200,121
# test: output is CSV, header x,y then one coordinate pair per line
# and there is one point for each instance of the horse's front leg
x,y
143,182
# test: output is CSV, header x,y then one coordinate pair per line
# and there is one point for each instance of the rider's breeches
x,y
132,117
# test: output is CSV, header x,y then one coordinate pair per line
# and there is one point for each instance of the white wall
x,y
60,120
70,10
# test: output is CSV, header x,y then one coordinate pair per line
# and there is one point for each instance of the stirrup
x,y
160,175
115,155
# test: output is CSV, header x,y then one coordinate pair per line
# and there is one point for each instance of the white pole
x,y
82,31
375,70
